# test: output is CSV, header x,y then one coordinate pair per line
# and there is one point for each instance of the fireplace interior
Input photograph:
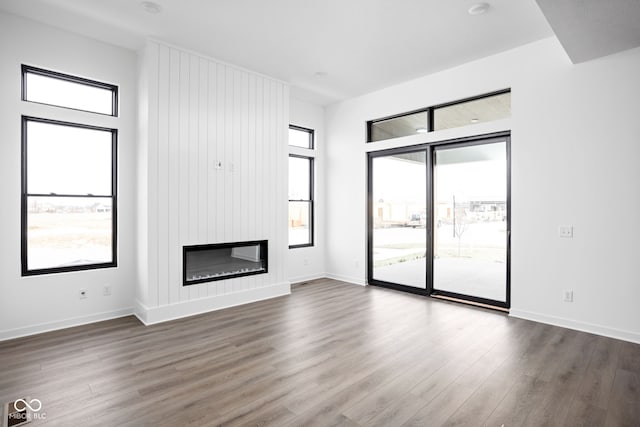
x,y
206,263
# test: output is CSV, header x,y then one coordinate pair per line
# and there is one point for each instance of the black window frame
x,y
310,201
25,195
311,133
28,69
431,114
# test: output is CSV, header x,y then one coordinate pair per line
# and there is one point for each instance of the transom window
x,y
63,90
479,109
300,137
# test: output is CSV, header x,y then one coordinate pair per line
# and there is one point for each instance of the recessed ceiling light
x,y
479,8
151,7
321,74
422,130
475,120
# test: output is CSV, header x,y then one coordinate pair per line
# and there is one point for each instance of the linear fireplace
x,y
206,263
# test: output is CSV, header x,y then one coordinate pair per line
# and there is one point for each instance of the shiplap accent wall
x,y
201,113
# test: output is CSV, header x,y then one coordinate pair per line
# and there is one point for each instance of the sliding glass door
x,y
439,219
398,238
470,221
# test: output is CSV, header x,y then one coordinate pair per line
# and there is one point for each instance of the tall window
x,y
69,204
301,187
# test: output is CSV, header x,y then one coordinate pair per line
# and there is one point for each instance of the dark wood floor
x,y
329,354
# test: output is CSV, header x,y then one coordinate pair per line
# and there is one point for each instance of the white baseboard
x,y
307,278
152,315
140,311
578,326
347,279
63,324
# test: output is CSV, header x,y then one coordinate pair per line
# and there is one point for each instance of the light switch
x,y
565,231
567,296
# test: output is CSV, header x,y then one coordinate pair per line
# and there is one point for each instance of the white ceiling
x,y
361,45
589,29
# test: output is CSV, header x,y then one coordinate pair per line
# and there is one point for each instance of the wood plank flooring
x,y
331,354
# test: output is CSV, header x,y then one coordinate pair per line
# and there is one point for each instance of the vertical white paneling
x,y
237,164
245,203
202,154
212,178
220,157
194,74
163,176
228,165
183,159
253,207
175,242
245,173
260,168
217,168
273,167
283,197
203,151
268,178
152,180
142,188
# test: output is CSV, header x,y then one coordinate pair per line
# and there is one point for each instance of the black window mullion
x,y
68,196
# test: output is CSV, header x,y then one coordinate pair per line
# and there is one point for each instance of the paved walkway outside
x,y
481,278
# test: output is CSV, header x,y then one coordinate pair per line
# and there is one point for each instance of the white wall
x,y
308,263
197,112
38,303
575,149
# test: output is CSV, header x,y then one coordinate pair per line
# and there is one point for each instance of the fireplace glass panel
x,y
206,263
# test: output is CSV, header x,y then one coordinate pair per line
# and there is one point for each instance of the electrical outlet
x,y
305,262
106,290
565,231
82,293
567,296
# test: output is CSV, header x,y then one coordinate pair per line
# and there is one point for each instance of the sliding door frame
x,y
370,202
430,148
